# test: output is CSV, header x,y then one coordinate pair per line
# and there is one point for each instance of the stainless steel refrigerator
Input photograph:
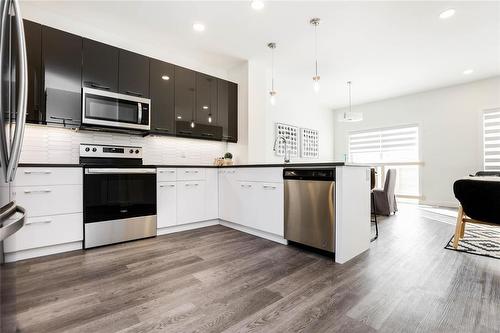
x,y
13,99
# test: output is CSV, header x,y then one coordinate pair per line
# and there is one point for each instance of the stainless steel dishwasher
x,y
310,207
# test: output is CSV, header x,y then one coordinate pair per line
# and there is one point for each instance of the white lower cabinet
x,y
46,231
271,208
53,199
248,200
166,208
190,201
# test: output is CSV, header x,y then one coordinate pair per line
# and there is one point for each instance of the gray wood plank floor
x,y
217,279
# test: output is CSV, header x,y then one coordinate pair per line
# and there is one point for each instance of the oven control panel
x,y
110,151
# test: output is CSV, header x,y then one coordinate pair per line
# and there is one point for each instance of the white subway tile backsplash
x,y
45,144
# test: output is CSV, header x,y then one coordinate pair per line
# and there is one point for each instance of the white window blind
x,y
491,135
397,144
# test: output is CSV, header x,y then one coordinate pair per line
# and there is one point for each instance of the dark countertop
x,y
263,165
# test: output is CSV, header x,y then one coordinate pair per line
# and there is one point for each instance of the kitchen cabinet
x,y
100,65
229,203
133,74
232,114
206,99
33,35
270,216
166,204
185,93
253,197
227,109
162,78
211,194
190,201
50,227
248,209
61,57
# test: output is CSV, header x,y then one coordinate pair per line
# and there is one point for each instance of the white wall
x,y
450,131
296,104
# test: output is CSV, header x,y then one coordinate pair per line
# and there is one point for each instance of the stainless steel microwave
x,y
105,108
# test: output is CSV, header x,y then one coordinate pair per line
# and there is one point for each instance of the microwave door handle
x,y
4,153
139,113
22,96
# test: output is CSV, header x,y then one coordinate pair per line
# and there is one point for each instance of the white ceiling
x,y
386,48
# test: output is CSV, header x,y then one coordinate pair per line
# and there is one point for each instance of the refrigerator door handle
x,y
7,211
21,97
4,153
7,229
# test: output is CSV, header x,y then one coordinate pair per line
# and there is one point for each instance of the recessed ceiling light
x,y
199,27
447,14
205,107
179,117
165,77
257,4
468,71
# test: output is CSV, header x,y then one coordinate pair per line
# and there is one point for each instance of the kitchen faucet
x,y
287,153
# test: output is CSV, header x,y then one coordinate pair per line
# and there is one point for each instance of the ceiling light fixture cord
x,y
316,48
272,69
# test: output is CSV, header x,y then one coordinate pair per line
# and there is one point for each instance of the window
x,y
384,145
491,139
387,148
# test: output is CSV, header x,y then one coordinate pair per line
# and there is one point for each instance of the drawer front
x,y
46,231
50,200
190,174
166,175
48,176
264,174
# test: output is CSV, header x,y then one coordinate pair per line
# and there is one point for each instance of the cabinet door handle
x,y
47,172
169,171
246,186
37,191
39,222
207,134
133,93
162,129
269,187
186,132
98,86
187,171
192,185
167,185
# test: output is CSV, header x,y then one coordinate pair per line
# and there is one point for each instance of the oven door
x,y
104,108
117,194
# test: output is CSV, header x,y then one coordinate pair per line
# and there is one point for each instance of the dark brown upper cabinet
x,y
206,99
100,65
162,78
33,34
232,114
185,95
133,75
227,96
62,59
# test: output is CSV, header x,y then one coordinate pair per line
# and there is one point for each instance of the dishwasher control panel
x,y
309,174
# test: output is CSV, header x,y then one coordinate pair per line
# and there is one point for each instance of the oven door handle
x,y
110,171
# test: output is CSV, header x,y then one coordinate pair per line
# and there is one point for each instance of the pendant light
x,y
349,116
272,93
315,22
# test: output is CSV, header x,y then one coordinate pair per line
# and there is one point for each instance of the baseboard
x,y
42,251
449,204
258,233
185,227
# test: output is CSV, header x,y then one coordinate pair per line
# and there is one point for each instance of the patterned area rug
x,y
479,239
